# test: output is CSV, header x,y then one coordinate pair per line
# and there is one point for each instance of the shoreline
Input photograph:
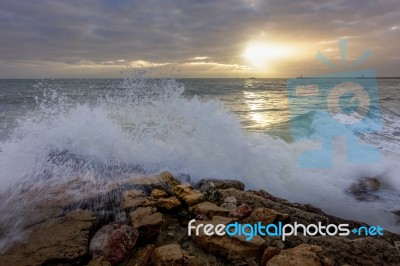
x,y
144,221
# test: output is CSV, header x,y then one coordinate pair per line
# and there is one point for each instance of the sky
x,y
196,38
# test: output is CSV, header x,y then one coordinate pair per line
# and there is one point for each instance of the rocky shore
x,y
144,221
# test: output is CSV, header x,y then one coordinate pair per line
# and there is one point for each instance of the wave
x,y
145,126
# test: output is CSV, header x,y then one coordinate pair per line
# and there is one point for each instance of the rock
x,y
303,255
62,239
363,188
141,257
212,195
172,255
202,217
367,251
165,181
135,198
147,220
168,203
208,209
220,184
255,201
99,261
269,252
187,194
397,244
235,248
230,204
158,193
241,211
266,216
114,242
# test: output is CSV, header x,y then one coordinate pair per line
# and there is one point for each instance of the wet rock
x,y
62,239
172,255
135,198
99,261
142,257
266,216
269,252
212,195
165,181
369,251
303,255
158,193
236,249
189,195
362,189
220,184
168,203
256,201
241,212
114,242
208,209
147,220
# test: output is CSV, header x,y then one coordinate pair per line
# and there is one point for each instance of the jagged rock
x,y
165,181
241,212
269,252
158,193
367,251
62,239
147,220
220,184
142,257
235,248
168,203
114,242
303,255
189,195
172,255
208,209
266,216
363,188
99,261
256,201
135,198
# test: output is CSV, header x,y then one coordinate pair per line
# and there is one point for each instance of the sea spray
x,y
71,146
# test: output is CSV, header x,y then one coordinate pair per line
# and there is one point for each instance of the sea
x,y
53,131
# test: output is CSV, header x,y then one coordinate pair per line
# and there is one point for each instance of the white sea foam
x,y
149,126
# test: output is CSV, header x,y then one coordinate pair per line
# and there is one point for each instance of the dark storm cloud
x,y
75,31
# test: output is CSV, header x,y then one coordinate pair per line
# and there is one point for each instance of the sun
x,y
260,54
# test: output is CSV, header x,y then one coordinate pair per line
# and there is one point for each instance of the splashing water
x,y
68,148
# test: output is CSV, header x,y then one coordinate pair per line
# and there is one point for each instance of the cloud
x,y
105,32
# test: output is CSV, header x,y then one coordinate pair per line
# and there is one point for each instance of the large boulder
x,y
172,255
187,194
165,181
303,255
113,242
64,239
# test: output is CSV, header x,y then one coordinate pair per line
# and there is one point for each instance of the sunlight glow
x,y
260,54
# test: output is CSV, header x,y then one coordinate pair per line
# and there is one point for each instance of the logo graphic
x,y
342,104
